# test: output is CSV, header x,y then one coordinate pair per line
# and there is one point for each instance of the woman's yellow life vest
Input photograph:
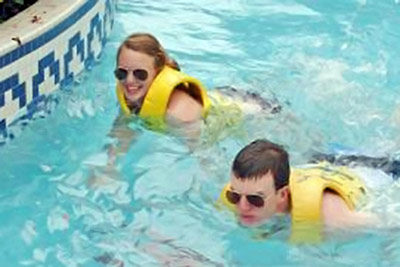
x,y
306,190
157,98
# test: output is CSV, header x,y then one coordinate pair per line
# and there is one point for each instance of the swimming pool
x,y
334,67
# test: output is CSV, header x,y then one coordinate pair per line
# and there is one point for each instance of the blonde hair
x,y
148,44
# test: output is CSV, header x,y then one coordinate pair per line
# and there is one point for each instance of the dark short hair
x,y
260,157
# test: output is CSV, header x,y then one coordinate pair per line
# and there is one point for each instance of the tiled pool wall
x,y
44,48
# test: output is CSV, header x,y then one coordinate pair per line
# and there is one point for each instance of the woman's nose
x,y
130,78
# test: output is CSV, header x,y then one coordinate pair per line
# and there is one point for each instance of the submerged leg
x,y
386,164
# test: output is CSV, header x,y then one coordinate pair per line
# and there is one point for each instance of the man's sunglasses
x,y
139,74
234,198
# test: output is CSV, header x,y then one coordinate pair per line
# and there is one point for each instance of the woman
x,y
150,85
141,60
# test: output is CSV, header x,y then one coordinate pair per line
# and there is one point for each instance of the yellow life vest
x,y
307,186
306,190
157,98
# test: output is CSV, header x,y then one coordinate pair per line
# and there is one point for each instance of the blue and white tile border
x,y
45,47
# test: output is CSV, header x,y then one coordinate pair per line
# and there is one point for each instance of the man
x,y
260,187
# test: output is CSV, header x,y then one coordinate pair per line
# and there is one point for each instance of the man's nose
x,y
243,204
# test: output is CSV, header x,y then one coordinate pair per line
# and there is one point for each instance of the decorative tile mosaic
x,y
52,59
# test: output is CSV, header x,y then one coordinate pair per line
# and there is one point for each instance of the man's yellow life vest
x,y
307,186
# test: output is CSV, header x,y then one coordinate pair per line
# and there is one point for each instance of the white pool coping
x,y
44,47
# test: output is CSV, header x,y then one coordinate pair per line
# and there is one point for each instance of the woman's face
x,y
140,71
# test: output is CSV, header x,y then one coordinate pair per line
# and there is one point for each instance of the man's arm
x,y
336,213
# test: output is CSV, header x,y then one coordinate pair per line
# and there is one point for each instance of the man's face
x,y
263,187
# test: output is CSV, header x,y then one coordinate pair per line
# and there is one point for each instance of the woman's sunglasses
x,y
255,200
139,74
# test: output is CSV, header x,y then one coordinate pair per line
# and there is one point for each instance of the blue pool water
x,y
333,66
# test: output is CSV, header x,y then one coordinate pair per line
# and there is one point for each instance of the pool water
x,y
332,65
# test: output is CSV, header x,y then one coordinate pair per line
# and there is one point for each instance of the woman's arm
x,y
122,136
184,115
184,107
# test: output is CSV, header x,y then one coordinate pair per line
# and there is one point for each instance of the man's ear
x,y
283,199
